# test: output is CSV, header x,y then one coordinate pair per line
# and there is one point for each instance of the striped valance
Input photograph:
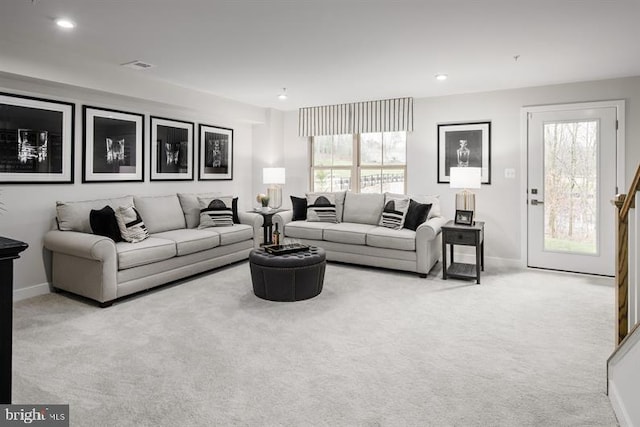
x,y
387,115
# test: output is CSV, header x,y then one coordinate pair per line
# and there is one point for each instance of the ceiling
x,y
331,51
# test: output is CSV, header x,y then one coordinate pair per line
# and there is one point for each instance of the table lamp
x,y
274,178
465,178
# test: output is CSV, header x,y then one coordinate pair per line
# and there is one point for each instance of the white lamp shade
x,y
273,175
465,177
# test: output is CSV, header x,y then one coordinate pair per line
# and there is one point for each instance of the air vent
x,y
138,65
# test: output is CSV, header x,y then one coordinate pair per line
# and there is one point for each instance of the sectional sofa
x,y
97,267
359,239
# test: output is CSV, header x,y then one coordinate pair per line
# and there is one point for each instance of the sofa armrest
x,y
254,220
82,245
429,229
282,218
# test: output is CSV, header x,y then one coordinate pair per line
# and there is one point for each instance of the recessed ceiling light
x,y
441,77
65,23
283,95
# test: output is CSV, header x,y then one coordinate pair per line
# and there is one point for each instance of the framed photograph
x,y
464,145
113,147
463,217
171,150
36,140
216,153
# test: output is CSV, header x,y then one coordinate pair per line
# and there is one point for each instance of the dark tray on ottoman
x,y
286,249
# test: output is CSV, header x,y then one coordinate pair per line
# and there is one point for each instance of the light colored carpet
x,y
376,348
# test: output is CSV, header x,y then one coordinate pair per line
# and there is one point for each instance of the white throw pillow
x,y
215,212
131,226
395,210
321,208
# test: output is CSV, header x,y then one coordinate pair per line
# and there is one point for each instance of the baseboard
x,y
618,407
31,291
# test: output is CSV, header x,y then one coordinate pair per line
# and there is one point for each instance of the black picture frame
x,y
36,140
215,159
477,141
463,217
171,149
113,145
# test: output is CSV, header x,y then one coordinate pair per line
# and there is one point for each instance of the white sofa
x,y
358,239
96,267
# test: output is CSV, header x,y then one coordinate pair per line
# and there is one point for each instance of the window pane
x,y
571,187
322,150
341,180
370,181
342,150
371,149
322,180
393,181
395,148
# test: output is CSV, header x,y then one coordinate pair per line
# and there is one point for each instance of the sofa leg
x,y
106,304
422,275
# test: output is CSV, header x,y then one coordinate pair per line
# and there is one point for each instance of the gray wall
x,y
499,204
30,208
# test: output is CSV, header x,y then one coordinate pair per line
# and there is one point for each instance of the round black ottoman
x,y
289,277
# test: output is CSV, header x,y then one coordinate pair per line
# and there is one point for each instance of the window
x,y
378,160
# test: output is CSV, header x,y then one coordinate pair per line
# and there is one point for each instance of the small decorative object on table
x,y
263,199
463,217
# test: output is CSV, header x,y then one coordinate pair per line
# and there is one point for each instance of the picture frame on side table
x,y
215,153
172,154
463,217
464,145
36,140
113,145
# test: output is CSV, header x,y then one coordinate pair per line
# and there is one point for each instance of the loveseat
x,y
359,238
102,269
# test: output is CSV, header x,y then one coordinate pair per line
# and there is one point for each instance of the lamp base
x,y
466,201
275,197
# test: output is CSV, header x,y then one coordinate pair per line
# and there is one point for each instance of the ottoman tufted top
x,y
314,255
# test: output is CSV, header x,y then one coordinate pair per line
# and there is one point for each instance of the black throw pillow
x,y
103,223
299,208
234,209
416,215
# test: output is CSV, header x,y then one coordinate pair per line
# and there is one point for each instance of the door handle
x,y
535,202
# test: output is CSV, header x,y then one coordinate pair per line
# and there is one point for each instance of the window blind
x,y
387,115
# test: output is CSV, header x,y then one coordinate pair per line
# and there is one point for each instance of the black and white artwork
x,y
171,150
216,153
464,145
36,140
113,146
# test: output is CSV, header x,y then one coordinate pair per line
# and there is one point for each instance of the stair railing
x,y
625,240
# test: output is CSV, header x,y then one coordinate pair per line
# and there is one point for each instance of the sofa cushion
x,y
433,200
234,234
321,208
148,251
363,208
104,223
395,209
160,213
132,227
305,230
74,216
383,237
416,215
190,241
299,207
339,201
216,212
191,207
347,232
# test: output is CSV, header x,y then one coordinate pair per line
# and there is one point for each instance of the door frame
x,y
619,105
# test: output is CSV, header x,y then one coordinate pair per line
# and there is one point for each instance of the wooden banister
x,y
624,202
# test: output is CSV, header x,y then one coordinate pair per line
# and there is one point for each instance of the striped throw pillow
x,y
217,212
321,208
395,211
132,228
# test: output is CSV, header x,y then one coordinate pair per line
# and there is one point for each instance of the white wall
x,y
499,204
30,208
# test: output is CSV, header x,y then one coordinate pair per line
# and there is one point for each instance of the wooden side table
x,y
267,225
465,235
